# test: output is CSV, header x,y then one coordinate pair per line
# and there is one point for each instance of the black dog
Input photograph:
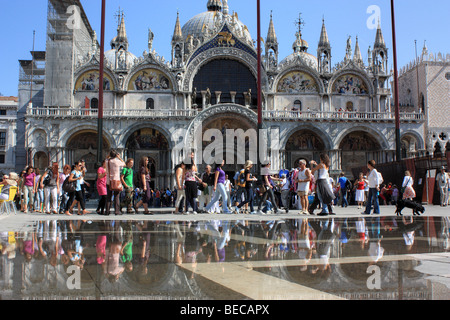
x,y
405,203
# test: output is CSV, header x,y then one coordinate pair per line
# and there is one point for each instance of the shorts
x,y
302,193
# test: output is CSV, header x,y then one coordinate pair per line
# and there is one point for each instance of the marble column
x,y
218,94
233,96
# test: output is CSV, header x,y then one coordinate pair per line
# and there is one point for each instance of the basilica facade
x,y
151,104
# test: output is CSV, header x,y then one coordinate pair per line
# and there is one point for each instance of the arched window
x,y
150,104
94,103
297,105
349,106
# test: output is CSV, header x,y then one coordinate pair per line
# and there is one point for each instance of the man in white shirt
x,y
374,187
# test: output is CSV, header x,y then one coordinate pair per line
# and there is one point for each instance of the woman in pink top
x,y
29,181
114,164
101,188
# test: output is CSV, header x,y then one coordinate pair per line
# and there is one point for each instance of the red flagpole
x,y
397,111
100,90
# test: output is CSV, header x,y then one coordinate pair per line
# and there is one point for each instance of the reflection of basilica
x,y
210,78
353,258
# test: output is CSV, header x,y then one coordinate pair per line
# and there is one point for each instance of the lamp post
x,y
397,111
259,89
100,90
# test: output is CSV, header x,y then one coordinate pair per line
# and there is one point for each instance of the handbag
x,y
403,189
68,186
114,185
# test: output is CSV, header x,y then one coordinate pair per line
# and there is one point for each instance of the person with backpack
x,y
75,176
343,184
239,182
50,183
249,193
207,188
268,188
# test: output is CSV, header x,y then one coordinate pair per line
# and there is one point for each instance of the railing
x,y
109,113
339,115
276,115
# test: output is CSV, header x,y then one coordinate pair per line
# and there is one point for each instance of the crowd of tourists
x,y
121,189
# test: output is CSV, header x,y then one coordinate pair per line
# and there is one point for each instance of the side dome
x,y
305,57
111,57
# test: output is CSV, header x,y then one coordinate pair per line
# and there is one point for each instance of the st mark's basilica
x,y
315,104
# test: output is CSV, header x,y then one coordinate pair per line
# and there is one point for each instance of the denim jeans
x,y
372,198
344,197
39,199
220,192
249,197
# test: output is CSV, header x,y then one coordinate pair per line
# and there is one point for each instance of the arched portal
x,y
83,145
237,141
357,148
151,143
40,161
303,144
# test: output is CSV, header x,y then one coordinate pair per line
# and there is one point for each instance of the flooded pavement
x,y
356,258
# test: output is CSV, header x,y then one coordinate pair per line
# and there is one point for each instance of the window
x,y
2,138
225,76
297,105
447,76
2,112
2,158
94,103
150,104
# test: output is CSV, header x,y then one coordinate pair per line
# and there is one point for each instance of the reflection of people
x,y
111,266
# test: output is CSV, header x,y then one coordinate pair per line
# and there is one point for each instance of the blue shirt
x,y
75,176
342,182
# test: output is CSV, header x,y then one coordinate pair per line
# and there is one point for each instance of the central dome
x,y
196,26
205,21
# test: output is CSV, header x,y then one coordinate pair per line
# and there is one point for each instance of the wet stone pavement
x,y
169,256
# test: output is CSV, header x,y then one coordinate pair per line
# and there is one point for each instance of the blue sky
x,y
415,20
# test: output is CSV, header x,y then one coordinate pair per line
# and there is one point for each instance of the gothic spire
x,y
357,57
271,35
177,34
324,42
121,40
379,39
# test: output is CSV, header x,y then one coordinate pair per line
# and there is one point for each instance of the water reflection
x,y
363,258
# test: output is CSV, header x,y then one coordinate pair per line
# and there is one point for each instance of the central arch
x,y
219,118
232,78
